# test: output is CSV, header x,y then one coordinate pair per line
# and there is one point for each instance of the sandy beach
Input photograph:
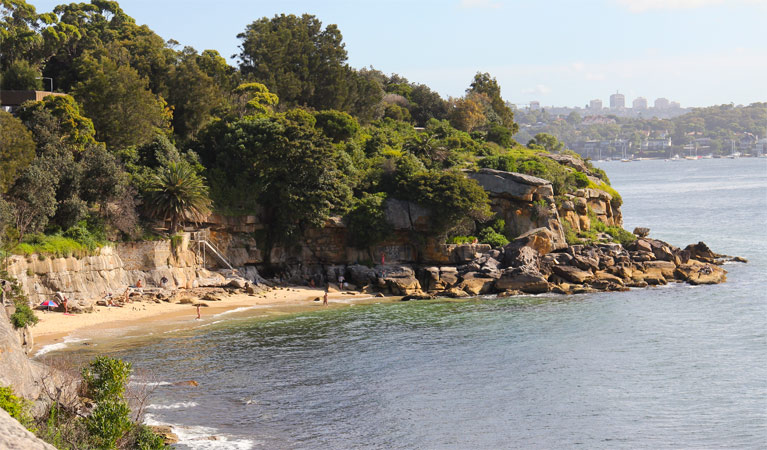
x,y
57,328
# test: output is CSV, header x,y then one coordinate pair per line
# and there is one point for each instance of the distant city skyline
x,y
638,102
559,52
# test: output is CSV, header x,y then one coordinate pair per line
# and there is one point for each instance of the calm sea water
x,y
670,367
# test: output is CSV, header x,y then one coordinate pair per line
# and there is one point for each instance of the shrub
x,y
492,237
146,439
579,179
571,237
23,316
620,235
106,378
462,240
109,421
15,406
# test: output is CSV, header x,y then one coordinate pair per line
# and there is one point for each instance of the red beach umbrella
x,y
49,304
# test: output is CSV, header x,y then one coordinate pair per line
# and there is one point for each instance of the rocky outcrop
x,y
13,436
526,266
525,203
29,379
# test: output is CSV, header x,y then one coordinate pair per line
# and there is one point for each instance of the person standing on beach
x,y
198,312
325,298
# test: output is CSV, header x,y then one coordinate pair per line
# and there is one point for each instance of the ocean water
x,y
669,367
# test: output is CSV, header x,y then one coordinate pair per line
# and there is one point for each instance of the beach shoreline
x,y
55,330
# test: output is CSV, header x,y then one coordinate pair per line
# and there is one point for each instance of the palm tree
x,y
177,193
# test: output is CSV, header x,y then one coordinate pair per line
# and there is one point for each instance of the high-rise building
x,y
674,105
535,105
640,103
661,103
595,105
617,101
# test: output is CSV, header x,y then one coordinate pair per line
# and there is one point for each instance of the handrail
x,y
201,238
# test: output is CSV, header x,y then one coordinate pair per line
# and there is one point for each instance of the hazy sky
x,y
559,52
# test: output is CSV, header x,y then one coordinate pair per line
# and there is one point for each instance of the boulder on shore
x,y
696,272
526,279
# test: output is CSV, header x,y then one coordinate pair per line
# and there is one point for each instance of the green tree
x,y
545,141
178,194
298,60
286,166
484,84
124,111
450,196
20,76
57,119
103,178
193,95
34,199
426,104
338,126
367,222
17,149
256,98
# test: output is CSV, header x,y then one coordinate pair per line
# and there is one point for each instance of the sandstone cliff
x,y
13,436
113,269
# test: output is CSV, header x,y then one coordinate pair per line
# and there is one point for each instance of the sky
x,y
557,52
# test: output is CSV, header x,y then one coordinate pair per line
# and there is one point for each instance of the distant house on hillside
x,y
657,144
10,100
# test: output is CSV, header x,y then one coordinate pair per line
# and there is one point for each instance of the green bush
x,y
108,422
105,378
492,237
16,407
571,237
146,439
462,240
579,179
620,235
23,316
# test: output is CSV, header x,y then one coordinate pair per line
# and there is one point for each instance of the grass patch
x,y
79,241
616,201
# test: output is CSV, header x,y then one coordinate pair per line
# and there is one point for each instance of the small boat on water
x,y
676,158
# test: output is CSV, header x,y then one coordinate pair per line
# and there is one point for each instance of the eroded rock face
x,y
512,185
29,379
13,436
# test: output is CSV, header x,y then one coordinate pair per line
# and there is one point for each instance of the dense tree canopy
x,y
17,149
293,134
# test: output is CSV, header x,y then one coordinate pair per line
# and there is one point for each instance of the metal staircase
x,y
204,245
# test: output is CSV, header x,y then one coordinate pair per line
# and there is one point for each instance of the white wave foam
x,y
240,309
59,345
174,405
150,383
212,323
202,438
